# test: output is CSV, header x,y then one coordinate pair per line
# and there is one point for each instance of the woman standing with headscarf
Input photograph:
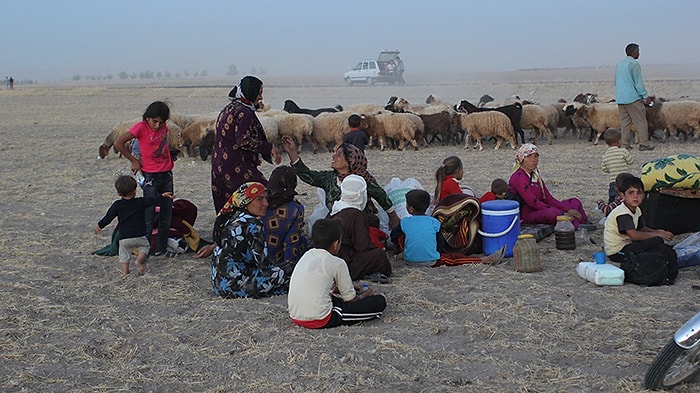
x,y
240,266
364,259
239,142
538,206
283,222
347,160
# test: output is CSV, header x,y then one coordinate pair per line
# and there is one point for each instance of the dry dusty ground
x,y
69,321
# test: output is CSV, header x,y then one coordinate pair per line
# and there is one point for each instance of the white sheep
x,y
400,126
270,126
434,105
365,108
117,131
485,124
174,136
299,126
535,118
673,117
329,127
601,117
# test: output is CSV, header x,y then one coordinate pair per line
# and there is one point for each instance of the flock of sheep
x,y
398,122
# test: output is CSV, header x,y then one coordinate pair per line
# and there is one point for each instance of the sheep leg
x,y
597,137
499,141
381,143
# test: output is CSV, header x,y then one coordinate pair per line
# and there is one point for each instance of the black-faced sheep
x,y
291,107
580,124
434,105
485,124
485,99
206,146
192,135
513,111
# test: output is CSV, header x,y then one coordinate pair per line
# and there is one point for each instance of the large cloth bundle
x,y
459,217
677,171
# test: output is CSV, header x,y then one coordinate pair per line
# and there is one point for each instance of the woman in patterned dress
x,y
240,266
239,142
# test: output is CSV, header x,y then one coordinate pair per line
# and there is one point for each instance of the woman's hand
x,y
205,251
276,157
394,219
574,213
290,147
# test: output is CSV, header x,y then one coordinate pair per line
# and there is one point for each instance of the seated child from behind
x,y
418,234
616,159
376,235
499,189
321,292
131,214
606,208
356,136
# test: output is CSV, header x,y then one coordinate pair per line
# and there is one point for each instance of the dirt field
x,y
70,321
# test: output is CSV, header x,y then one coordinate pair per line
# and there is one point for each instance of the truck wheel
x,y
370,81
348,81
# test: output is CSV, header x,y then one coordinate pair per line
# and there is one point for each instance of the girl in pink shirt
x,y
156,163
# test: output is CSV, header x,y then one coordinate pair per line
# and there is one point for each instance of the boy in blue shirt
x,y
420,233
418,237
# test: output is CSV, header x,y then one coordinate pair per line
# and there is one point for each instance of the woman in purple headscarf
x,y
239,142
538,206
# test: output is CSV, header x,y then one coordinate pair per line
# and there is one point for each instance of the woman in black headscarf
x,y
283,223
239,142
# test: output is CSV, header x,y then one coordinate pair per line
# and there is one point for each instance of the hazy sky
x,y
48,40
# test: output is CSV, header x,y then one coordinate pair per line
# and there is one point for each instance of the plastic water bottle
x,y
565,233
365,287
140,179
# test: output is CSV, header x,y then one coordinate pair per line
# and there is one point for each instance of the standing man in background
x,y
631,96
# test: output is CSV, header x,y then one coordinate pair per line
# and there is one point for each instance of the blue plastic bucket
x,y
500,225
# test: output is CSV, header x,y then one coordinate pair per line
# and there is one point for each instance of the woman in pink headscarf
x,y
537,205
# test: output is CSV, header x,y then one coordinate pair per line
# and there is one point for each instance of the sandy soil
x,y
70,321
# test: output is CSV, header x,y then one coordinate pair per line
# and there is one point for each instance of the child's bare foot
x,y
139,263
495,258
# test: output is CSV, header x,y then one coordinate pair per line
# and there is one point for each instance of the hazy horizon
x,y
53,41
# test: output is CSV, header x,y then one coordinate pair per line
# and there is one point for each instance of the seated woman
x,y
283,223
537,205
240,266
347,160
364,259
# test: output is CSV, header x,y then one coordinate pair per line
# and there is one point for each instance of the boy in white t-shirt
x,y
321,292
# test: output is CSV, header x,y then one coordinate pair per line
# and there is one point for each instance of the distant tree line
x,y
144,75
231,71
